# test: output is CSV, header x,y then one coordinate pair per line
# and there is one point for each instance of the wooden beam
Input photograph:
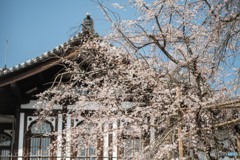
x,y
234,121
231,122
42,66
41,81
225,105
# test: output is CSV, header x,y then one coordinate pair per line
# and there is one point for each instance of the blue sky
x,y
33,27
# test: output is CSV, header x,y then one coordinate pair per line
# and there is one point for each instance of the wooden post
x,y
180,143
238,146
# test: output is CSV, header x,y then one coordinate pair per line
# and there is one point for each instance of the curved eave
x,y
33,69
43,62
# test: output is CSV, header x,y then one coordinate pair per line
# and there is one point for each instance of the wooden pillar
x,y
180,143
59,136
21,136
238,146
105,140
16,133
68,137
114,140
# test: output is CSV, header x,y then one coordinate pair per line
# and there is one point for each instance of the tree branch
x,y
162,48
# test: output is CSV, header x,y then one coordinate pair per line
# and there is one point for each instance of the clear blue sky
x,y
33,27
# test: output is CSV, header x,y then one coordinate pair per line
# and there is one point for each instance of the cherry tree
x,y
161,84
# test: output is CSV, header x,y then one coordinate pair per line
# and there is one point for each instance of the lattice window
x,y
87,146
132,142
42,128
39,142
132,147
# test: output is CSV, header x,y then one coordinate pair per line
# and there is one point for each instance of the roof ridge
x,y
73,41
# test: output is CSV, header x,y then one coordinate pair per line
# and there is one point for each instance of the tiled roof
x,y
61,50
80,38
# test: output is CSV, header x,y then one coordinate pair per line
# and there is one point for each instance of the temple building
x,y
20,136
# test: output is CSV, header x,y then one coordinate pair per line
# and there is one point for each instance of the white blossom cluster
x,y
164,90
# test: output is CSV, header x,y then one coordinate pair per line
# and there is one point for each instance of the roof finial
x,y
88,14
88,24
